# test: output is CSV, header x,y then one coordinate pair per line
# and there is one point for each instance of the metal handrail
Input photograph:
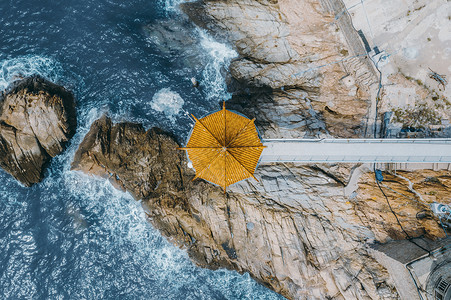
x,y
409,141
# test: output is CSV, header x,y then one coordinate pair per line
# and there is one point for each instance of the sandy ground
x,y
414,37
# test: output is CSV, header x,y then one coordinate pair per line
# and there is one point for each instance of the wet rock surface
x,y
37,118
177,40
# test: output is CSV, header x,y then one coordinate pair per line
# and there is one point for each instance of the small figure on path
x,y
441,79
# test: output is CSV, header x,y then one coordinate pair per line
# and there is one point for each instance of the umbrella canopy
x,y
224,148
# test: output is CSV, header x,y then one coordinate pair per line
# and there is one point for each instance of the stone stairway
x,y
359,70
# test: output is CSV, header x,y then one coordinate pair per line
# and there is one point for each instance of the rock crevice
x,y
295,230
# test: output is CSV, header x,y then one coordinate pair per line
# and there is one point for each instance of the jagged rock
x,y
144,163
295,231
37,118
427,186
259,33
148,165
291,45
257,28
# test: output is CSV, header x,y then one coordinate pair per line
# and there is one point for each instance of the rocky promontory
x,y
295,231
305,231
37,118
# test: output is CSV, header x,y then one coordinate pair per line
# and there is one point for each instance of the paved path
x,y
357,150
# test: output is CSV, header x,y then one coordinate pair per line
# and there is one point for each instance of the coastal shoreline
x,y
316,231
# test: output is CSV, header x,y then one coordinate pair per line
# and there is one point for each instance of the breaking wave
x,y
17,68
213,74
168,102
73,236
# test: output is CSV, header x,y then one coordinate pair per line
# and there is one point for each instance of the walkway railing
x,y
357,150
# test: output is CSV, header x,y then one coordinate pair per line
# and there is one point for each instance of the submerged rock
x,y
37,118
178,41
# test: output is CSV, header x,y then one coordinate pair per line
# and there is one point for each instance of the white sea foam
x,y
168,102
220,56
112,245
20,67
124,222
172,6
217,55
122,239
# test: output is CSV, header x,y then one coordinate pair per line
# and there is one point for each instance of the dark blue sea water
x,y
76,237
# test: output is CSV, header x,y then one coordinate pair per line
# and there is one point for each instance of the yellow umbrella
x,y
224,148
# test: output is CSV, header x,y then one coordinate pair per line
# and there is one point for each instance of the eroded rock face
x,y
294,49
294,231
149,166
410,195
144,163
37,118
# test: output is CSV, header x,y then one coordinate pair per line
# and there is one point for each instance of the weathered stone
x,y
257,28
37,118
307,240
143,163
291,45
295,230
427,187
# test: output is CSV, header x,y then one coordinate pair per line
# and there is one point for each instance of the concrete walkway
x,y
357,150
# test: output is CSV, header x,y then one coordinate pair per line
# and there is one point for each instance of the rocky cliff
x,y
294,56
297,230
294,231
37,118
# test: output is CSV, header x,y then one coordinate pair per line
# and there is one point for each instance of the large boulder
x,y
145,163
37,118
